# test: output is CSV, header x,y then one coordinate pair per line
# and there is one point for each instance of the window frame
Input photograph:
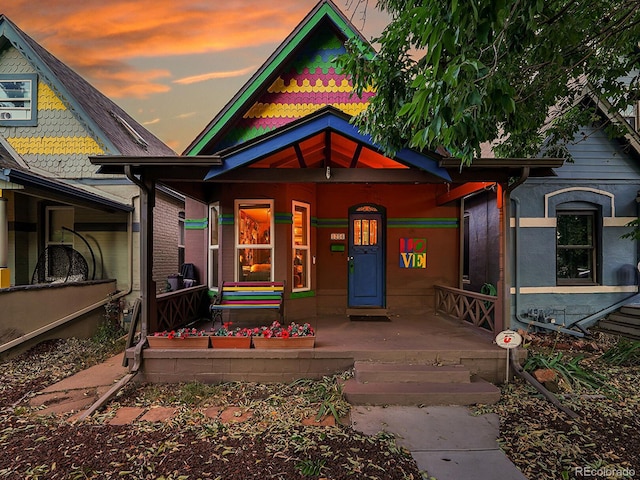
x,y
303,246
49,210
238,205
213,281
32,119
181,238
594,247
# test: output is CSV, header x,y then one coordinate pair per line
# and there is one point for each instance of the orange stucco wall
x,y
406,289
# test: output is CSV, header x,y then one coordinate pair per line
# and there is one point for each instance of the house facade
x,y
569,258
53,205
302,196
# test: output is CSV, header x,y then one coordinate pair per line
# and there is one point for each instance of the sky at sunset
x,y
172,65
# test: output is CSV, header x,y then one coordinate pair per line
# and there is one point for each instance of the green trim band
x,y
305,294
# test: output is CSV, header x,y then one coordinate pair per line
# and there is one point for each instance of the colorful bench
x,y
245,295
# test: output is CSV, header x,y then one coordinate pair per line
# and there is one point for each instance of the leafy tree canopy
x,y
460,73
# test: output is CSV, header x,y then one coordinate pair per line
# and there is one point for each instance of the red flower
x,y
171,334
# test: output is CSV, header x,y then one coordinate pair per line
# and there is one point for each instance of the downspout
x,y
506,293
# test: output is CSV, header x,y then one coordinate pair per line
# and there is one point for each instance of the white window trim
x,y
212,283
261,246
306,247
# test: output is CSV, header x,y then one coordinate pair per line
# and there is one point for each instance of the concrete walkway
x,y
78,392
446,442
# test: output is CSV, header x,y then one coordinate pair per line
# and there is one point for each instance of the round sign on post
x,y
508,339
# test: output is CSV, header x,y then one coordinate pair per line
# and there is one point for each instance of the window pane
x,y
300,225
575,230
365,232
254,225
58,218
213,268
213,225
576,249
575,263
255,264
300,263
181,234
357,232
15,100
373,232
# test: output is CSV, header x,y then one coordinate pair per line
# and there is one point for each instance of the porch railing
x,y
471,307
179,308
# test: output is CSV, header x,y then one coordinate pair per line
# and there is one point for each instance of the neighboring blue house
x,y
568,260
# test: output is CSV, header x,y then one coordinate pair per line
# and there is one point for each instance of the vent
x,y
131,131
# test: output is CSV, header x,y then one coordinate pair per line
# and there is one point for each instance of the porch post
x,y
5,273
501,203
147,285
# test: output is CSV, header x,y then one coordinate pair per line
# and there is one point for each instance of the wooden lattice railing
x,y
179,308
474,308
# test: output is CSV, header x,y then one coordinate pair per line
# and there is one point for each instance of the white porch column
x,y
5,273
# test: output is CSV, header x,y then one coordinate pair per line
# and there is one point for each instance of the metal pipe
x,y
541,388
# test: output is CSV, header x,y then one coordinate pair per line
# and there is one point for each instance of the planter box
x,y
291,342
188,342
230,342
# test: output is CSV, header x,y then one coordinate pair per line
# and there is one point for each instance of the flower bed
x,y
226,337
181,338
292,336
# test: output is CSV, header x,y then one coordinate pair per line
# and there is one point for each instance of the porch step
x,y
427,394
373,372
624,322
377,383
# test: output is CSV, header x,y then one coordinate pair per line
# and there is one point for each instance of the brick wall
x,y
165,239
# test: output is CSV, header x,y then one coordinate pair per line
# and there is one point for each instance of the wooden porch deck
x,y
428,340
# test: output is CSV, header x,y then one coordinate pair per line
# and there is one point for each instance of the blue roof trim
x,y
288,135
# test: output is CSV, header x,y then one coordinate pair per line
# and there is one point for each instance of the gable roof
x,y
297,79
110,124
328,126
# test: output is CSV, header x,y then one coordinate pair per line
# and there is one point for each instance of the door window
x,y
365,232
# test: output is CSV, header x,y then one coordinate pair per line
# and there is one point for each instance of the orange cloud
x,y
214,75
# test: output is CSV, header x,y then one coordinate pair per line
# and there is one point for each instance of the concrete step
x,y
427,394
375,372
632,309
629,331
624,319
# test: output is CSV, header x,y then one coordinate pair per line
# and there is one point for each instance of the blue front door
x,y
366,256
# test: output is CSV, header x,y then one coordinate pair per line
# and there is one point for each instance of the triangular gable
x,y
298,79
114,130
326,120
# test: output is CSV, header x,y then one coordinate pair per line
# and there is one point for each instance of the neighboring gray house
x,y
568,259
63,227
